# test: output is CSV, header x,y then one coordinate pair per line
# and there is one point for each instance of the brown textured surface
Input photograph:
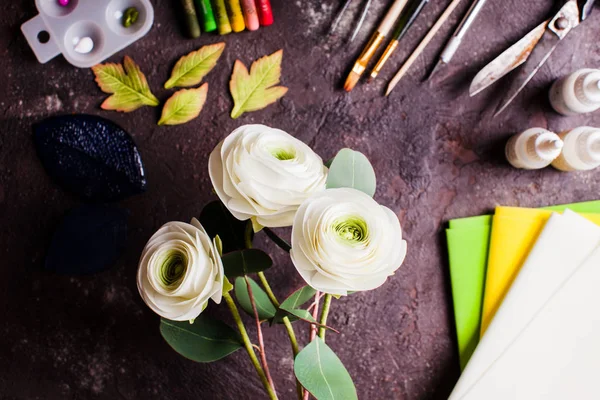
x,y
437,153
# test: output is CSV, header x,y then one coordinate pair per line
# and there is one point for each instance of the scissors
x,y
533,50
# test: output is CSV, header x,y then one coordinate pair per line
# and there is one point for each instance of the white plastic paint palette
x,y
59,29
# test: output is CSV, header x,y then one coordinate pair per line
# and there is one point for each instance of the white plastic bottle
x,y
577,93
581,151
533,149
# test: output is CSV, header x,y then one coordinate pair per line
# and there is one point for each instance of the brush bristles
x,y
351,81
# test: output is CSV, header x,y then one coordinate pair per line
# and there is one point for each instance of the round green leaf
x,y
264,307
206,340
352,169
295,300
322,373
245,262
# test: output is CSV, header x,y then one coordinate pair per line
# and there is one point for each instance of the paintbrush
x,y
408,18
413,57
376,39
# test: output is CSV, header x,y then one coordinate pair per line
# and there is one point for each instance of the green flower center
x,y
283,153
351,229
173,265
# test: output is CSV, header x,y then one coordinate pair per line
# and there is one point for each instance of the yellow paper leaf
x,y
183,106
256,89
191,68
128,86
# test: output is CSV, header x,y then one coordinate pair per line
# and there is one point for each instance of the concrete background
x,y
437,153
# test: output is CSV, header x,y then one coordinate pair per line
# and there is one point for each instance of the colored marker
x,y
190,18
222,18
236,18
265,13
208,18
250,16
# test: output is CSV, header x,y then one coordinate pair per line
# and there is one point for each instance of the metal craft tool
x,y
376,39
413,57
533,50
406,21
339,16
458,36
362,19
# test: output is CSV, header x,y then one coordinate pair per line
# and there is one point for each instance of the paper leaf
x,y
245,262
183,106
295,300
90,156
206,340
352,169
264,307
89,239
192,68
321,373
128,86
255,90
217,220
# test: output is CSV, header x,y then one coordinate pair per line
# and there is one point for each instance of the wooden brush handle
x,y
415,54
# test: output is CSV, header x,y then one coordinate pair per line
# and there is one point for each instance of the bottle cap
x,y
548,146
591,86
590,147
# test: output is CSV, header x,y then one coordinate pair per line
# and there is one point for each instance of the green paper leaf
x,y
183,106
193,67
128,86
295,300
351,169
255,90
244,262
298,298
217,220
206,340
264,307
322,373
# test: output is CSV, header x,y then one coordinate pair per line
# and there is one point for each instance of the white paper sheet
x,y
502,367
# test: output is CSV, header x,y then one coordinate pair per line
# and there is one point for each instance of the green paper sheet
x,y
468,245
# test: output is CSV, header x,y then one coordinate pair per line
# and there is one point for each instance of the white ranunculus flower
x,y
265,174
343,241
180,269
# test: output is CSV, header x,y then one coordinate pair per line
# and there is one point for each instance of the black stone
x,y
90,156
89,240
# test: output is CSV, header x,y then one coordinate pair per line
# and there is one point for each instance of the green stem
x,y
295,351
248,235
285,246
248,345
267,287
324,314
288,326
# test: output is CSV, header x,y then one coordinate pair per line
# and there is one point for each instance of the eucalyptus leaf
x,y
217,220
206,340
352,169
264,307
295,300
322,373
244,262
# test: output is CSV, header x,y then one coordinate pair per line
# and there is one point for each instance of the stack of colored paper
x,y
510,244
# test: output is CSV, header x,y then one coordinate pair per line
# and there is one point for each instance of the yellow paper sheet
x,y
515,231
